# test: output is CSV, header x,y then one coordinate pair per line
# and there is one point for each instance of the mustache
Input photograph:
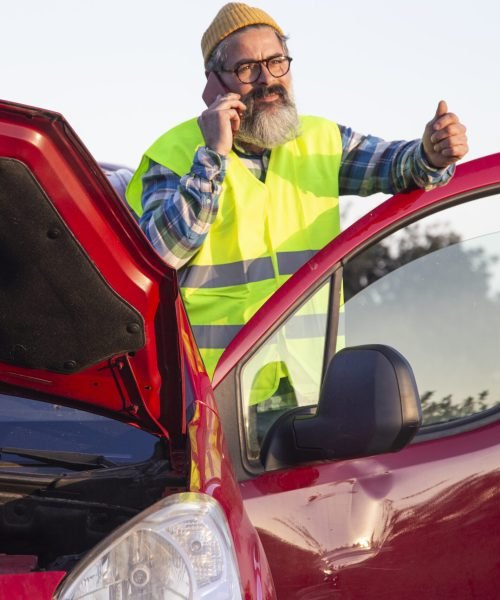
x,y
262,92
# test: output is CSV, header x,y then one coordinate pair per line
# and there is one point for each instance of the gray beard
x,y
268,126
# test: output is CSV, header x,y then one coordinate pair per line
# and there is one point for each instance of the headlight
x,y
179,548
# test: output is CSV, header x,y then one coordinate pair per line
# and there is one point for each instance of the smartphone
x,y
215,87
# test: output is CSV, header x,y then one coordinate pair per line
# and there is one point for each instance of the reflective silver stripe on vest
x,y
238,273
215,336
305,327
219,336
290,262
245,271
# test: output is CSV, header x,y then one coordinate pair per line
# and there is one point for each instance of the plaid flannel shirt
x,y
178,211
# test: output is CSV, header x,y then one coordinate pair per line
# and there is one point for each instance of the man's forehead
x,y
253,43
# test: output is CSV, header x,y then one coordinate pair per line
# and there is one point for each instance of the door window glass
x,y
432,291
286,370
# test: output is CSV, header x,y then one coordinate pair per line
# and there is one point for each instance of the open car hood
x,y
89,314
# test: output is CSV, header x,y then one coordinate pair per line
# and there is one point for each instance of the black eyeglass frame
x,y
264,61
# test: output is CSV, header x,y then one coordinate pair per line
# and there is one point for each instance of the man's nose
x,y
265,76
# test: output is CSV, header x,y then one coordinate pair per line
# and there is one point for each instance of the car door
x,y
420,274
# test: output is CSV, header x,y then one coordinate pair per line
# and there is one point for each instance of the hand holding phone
x,y
221,120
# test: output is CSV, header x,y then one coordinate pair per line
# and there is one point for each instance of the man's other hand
x,y
220,121
444,139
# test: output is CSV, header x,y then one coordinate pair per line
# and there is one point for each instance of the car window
x,y
34,425
432,291
286,370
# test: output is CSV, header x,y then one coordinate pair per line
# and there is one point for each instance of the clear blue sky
x,y
123,71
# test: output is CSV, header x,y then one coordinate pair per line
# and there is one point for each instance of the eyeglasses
x,y
249,72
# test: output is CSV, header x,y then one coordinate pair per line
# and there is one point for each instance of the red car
x,y
348,446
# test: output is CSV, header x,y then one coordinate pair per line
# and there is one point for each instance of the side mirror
x,y
369,404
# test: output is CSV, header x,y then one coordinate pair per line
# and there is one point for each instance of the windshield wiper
x,y
59,458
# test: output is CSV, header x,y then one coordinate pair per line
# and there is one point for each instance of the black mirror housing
x,y
369,404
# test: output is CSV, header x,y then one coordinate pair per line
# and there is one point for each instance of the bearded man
x,y
241,197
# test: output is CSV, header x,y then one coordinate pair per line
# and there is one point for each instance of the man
x,y
239,199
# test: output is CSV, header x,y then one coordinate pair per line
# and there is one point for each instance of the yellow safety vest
x,y
263,232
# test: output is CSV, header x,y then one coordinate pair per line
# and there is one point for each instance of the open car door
x,y
420,274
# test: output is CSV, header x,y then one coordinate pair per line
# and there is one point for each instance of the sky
x,y
122,71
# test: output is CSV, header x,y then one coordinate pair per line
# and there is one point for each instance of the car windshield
x,y
35,425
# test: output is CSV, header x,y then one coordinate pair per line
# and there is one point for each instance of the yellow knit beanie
x,y
230,18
